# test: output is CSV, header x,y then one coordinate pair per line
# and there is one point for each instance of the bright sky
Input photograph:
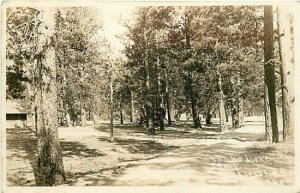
x,y
113,15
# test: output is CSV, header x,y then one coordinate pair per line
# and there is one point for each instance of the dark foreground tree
x,y
50,164
270,99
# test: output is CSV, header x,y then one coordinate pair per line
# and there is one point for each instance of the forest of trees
x,y
211,61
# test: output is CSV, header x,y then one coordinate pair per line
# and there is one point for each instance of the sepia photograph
x,y
136,94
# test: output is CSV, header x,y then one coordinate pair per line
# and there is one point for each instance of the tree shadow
x,y
71,148
140,146
22,140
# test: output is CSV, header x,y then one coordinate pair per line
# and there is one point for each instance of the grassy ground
x,y
179,155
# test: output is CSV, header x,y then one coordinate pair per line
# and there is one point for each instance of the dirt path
x,y
235,158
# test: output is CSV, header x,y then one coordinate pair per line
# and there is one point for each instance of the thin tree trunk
x,y
68,119
193,101
286,52
121,114
94,117
168,100
111,112
190,81
226,112
149,109
269,69
159,107
223,126
208,116
240,102
234,116
240,112
50,164
132,110
83,116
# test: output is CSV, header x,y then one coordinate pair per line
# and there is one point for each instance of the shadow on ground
x,y
22,142
72,148
140,146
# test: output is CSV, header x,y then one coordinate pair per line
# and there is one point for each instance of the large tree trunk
x,y
223,125
50,164
269,69
286,52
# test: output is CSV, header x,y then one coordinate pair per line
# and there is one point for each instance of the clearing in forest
x,y
177,156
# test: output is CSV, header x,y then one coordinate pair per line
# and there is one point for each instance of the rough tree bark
x,y
270,69
286,52
50,164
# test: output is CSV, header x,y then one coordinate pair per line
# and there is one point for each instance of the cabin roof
x,y
14,107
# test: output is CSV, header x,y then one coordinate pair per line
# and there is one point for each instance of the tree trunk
x,y
240,112
223,126
208,116
149,109
286,52
111,111
68,119
267,112
226,112
121,115
132,110
50,164
95,118
83,116
269,69
159,101
240,102
168,104
190,81
193,101
234,115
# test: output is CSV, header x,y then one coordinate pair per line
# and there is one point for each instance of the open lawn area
x,y
179,155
